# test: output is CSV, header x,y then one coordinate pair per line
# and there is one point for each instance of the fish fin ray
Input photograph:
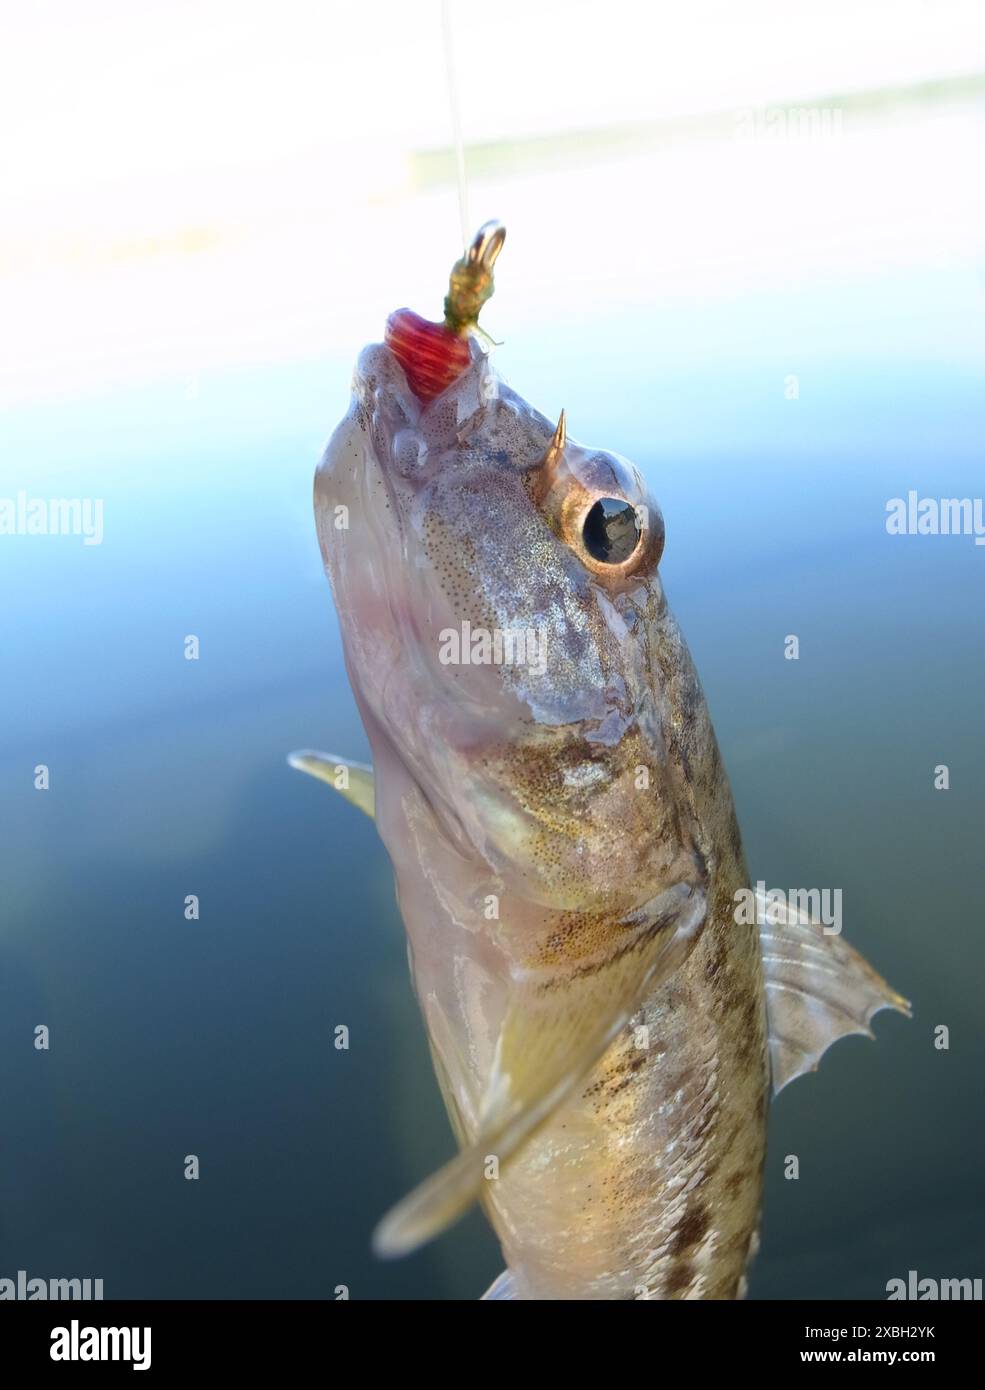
x,y
818,989
360,789
555,1030
504,1286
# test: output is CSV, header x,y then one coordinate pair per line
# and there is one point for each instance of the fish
x,y
607,1029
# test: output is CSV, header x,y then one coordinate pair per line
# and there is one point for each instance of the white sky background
x,y
196,184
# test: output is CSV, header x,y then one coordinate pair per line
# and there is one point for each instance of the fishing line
x,y
451,74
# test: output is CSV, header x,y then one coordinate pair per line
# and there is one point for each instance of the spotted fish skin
x,y
656,1166
604,1027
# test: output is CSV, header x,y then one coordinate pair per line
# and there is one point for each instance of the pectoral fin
x,y
817,990
353,780
558,1024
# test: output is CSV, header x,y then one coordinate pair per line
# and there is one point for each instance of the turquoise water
x,y
216,1037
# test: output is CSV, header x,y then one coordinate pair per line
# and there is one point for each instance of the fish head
x,y
507,637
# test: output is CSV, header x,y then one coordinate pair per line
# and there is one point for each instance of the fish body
x,y
565,848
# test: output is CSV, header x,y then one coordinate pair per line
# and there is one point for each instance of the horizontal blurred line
x,y
437,167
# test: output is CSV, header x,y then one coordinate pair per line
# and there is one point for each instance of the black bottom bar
x,y
252,1336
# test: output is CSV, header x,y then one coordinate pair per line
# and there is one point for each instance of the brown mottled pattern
x,y
656,1167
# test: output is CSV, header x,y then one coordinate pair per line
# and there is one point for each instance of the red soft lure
x,y
433,355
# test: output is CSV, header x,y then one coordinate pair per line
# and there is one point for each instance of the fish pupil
x,y
611,530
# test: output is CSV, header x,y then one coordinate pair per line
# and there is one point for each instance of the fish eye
x,y
611,530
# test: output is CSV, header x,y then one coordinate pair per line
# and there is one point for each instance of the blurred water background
x,y
746,250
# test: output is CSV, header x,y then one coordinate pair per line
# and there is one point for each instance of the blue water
x,y
216,1037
